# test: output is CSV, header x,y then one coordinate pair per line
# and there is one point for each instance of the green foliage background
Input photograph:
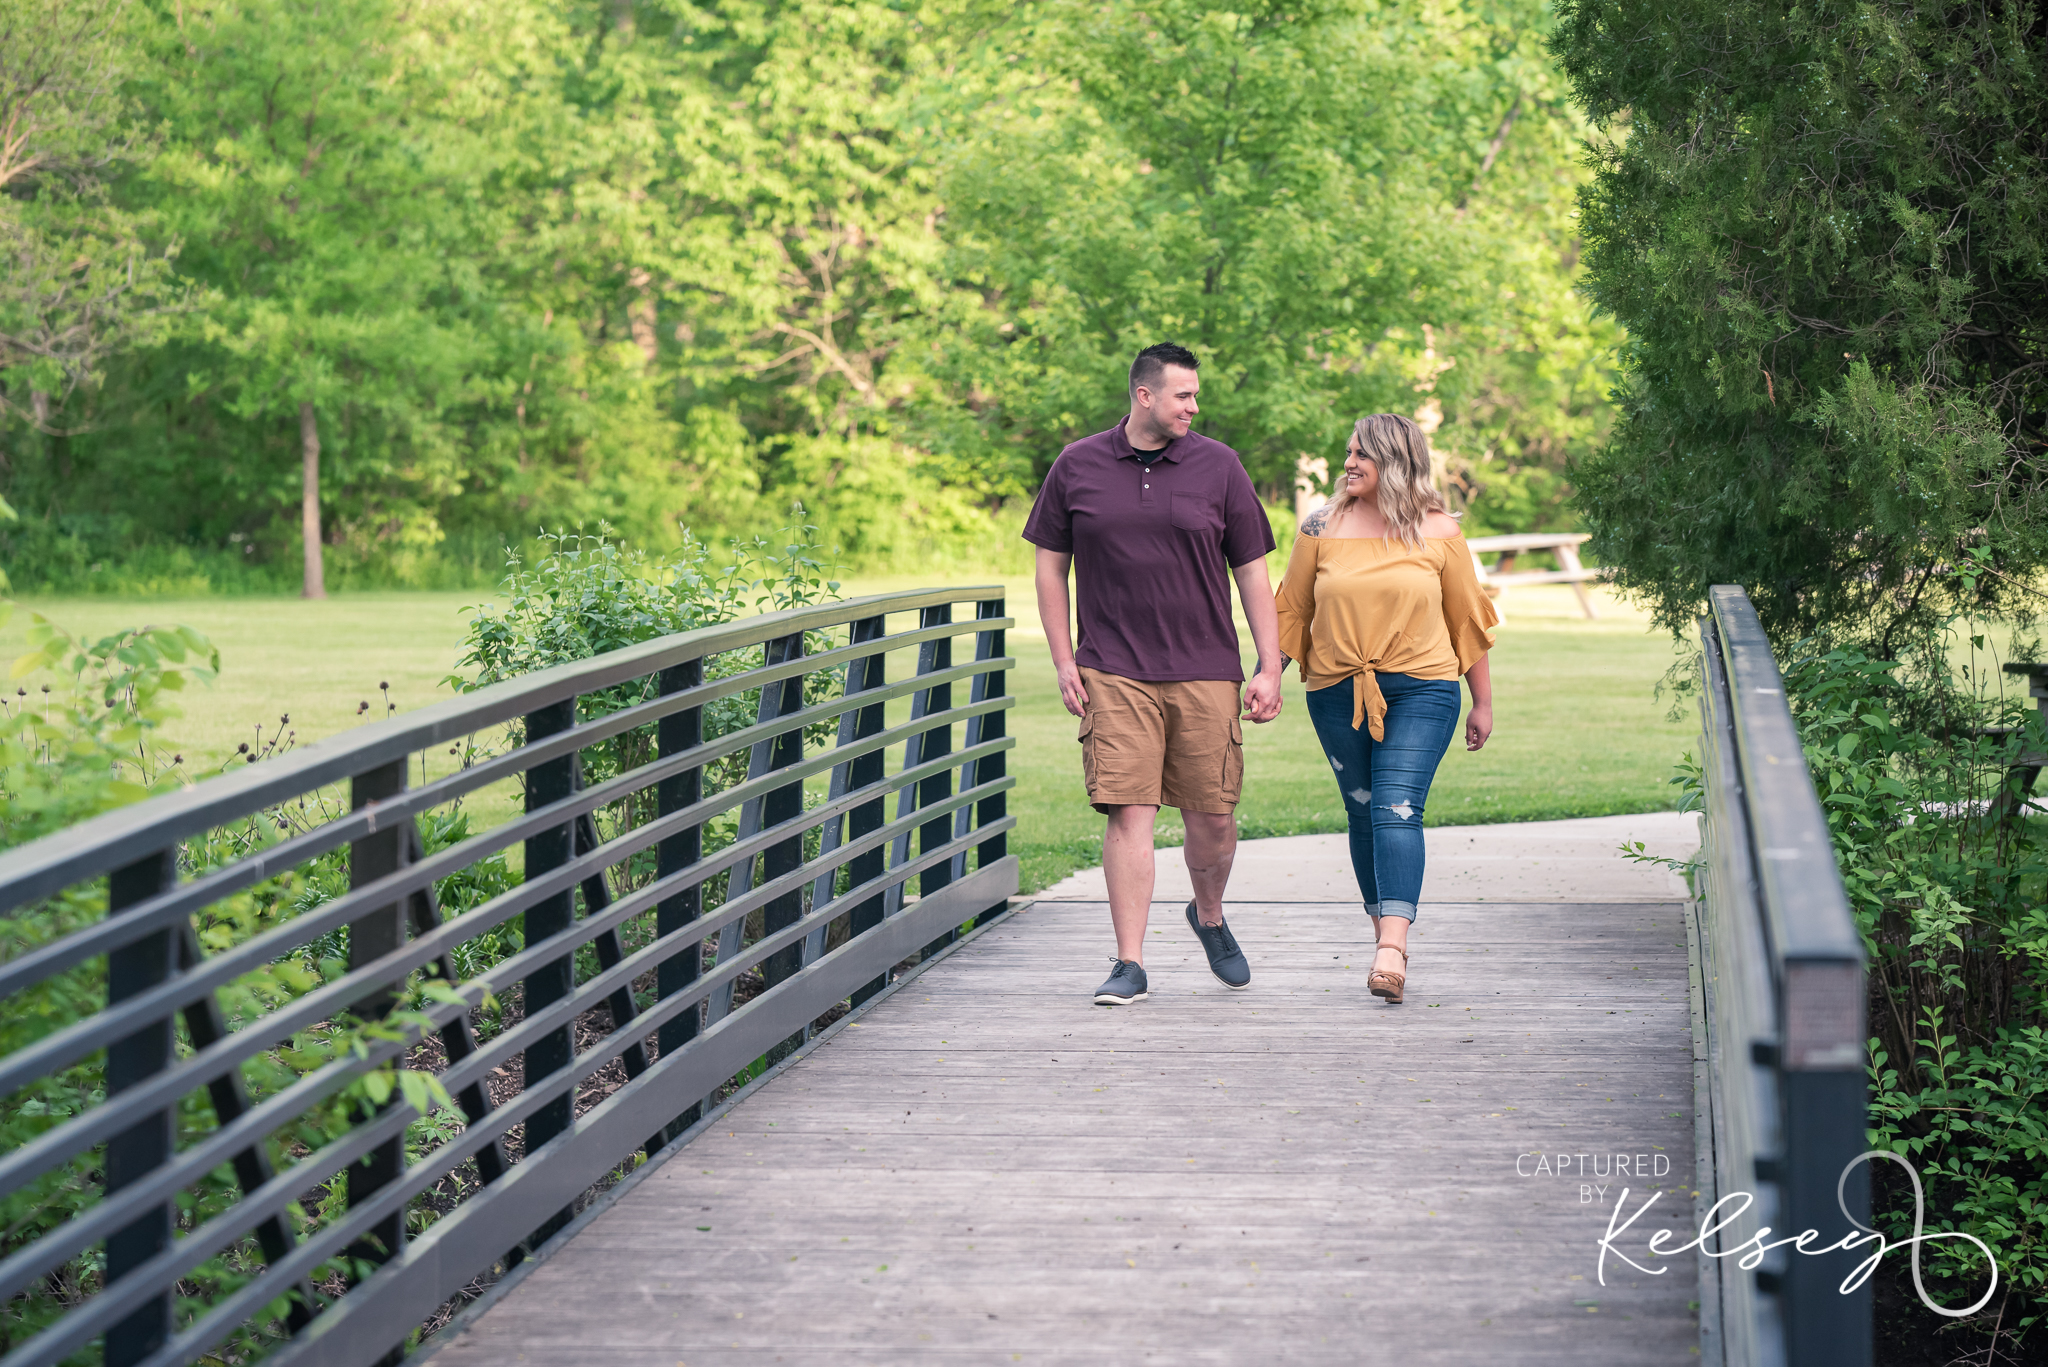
x,y
662,263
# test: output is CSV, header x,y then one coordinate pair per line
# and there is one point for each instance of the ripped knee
x,y
1404,810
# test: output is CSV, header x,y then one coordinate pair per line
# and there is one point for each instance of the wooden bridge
x,y
986,1167
751,1055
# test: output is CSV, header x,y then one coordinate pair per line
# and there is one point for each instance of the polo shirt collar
x,y
1125,451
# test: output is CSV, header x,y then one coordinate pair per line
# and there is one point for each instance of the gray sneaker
x,y
1126,985
1226,960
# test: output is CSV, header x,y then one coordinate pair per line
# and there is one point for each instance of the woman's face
x,y
1361,476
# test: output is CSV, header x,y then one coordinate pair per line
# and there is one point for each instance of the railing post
x,y
870,671
547,783
831,835
1826,1103
371,936
988,645
132,970
764,756
676,733
934,656
783,806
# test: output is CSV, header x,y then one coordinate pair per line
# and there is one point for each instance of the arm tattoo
x,y
1315,522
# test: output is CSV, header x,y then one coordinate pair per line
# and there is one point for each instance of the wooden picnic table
x,y
1498,577
2025,767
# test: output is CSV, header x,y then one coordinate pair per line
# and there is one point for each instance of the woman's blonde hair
x,y
1400,451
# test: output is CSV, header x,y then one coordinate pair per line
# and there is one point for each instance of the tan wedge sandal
x,y
1385,984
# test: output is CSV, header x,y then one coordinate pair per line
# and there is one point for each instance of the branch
x,y
835,359
1500,139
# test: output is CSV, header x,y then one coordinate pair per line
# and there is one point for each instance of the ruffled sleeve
x,y
1295,601
1468,612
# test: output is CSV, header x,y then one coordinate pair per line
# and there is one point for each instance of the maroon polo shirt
x,y
1153,550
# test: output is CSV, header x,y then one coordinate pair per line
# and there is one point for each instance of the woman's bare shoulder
x,y
1439,524
1317,522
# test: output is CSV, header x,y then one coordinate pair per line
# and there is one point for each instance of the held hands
x,y
1478,725
1262,696
1071,691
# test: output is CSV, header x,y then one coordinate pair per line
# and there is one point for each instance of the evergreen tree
x,y
1822,226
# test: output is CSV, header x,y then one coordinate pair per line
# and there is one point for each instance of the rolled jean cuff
x,y
1372,909
1393,907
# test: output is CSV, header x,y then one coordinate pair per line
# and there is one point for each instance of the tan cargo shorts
x,y
1162,744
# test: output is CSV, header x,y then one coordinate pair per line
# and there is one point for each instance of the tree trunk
x,y
309,506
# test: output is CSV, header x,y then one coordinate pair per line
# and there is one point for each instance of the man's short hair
x,y
1153,361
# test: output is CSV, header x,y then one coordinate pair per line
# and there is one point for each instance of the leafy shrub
x,y
71,753
587,594
1946,881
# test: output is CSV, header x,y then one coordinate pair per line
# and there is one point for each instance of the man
x,y
1155,520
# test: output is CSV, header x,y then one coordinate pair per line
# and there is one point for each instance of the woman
x,y
1382,607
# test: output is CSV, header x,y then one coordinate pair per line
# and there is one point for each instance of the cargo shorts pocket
x,y
1233,762
1086,737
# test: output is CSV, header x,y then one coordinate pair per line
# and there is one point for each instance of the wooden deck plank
x,y
988,1168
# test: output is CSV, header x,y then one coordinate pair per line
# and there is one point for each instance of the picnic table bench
x,y
1502,575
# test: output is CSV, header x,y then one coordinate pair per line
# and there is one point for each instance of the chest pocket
x,y
1196,513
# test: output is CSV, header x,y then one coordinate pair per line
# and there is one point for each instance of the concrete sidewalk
x,y
1529,861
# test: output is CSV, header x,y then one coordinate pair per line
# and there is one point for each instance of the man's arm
x,y
1053,613
1255,591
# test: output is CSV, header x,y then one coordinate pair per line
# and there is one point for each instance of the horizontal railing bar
x,y
55,1146
147,916
1798,883
91,847
66,1046
640,900
274,1195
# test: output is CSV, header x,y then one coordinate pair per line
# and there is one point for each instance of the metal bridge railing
x,y
1779,1052
618,1028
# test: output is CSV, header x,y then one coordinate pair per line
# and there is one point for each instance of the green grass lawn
x,y
1579,730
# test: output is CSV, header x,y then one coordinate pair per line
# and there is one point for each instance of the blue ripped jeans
x,y
1385,783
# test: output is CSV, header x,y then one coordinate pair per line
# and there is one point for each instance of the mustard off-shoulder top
x,y
1356,607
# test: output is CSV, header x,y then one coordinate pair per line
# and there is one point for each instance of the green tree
x,y
1822,228
321,173
1343,206
80,280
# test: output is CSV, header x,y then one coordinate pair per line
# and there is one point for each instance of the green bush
x,y
1947,883
584,595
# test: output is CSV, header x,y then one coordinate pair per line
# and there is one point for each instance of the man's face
x,y
1172,404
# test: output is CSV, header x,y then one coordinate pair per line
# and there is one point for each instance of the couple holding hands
x,y
1379,605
